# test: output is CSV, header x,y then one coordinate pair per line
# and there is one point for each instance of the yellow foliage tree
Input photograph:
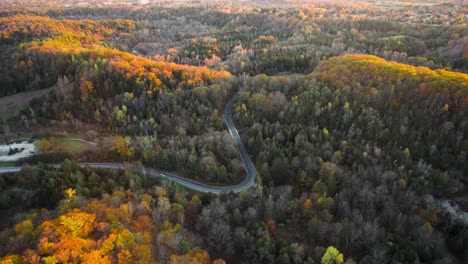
x,y
307,206
11,259
195,256
122,146
332,256
77,223
86,88
24,227
50,260
46,144
125,256
95,257
70,192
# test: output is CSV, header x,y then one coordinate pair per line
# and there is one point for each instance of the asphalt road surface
x,y
191,184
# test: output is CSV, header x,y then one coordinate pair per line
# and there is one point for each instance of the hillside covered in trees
x,y
353,114
431,103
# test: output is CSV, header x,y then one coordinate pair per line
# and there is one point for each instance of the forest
x,y
354,115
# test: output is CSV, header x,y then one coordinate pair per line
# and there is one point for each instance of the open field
x,y
72,146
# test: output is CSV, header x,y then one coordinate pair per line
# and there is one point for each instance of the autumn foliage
x,y
117,229
33,27
54,48
367,76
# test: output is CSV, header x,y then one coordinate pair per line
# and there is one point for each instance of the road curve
x,y
191,184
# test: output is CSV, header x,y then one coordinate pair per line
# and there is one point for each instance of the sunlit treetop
x,y
80,44
22,27
366,75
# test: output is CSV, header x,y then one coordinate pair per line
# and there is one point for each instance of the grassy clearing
x,y
73,147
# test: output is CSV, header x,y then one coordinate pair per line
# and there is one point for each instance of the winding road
x,y
191,184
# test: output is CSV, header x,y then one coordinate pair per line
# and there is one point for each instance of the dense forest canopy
x,y
354,115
